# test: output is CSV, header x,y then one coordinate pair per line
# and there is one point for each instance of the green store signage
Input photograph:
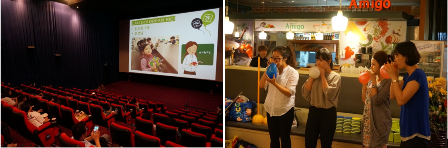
x,y
294,26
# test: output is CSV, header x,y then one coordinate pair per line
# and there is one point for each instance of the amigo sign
x,y
378,4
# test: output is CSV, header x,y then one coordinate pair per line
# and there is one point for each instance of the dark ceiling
x,y
296,3
131,9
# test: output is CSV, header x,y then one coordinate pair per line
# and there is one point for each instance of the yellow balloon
x,y
265,121
257,119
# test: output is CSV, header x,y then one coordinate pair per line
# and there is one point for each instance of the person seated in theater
x,y
21,100
146,58
7,97
36,118
135,102
94,140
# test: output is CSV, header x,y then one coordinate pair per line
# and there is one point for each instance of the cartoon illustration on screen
x,y
190,62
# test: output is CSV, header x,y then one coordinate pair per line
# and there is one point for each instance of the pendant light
x,y
262,35
237,34
339,22
228,26
289,35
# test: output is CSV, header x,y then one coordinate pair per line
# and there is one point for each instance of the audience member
x,y
94,140
34,117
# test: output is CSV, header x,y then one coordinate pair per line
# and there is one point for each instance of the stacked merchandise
x,y
339,124
347,128
356,125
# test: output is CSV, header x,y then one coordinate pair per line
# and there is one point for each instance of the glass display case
x,y
432,59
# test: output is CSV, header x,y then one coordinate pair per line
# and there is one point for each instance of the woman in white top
x,y
190,62
280,100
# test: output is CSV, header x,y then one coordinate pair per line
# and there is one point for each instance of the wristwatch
x,y
393,81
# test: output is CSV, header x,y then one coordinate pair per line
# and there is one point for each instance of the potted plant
x,y
437,110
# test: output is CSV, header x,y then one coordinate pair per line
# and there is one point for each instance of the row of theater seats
x,y
202,123
18,120
124,136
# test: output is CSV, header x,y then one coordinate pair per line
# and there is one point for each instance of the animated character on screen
x,y
190,62
146,58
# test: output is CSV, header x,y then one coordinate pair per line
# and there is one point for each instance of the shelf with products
x,y
315,41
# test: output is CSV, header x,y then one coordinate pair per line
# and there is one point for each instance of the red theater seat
x,y
153,106
216,142
144,140
166,132
121,115
207,123
121,135
43,135
84,106
7,113
162,107
181,124
69,119
99,118
73,103
180,112
143,125
189,119
172,144
66,141
105,105
207,131
134,112
159,118
172,114
55,110
193,139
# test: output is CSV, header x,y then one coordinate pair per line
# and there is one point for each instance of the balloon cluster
x,y
246,48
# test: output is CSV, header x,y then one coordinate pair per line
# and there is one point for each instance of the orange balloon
x,y
384,73
364,78
248,46
249,52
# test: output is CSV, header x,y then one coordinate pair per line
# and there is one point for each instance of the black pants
x,y
320,122
416,142
280,127
190,73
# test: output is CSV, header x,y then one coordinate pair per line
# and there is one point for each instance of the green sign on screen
x,y
205,54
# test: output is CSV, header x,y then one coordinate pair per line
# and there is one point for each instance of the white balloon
x,y
314,72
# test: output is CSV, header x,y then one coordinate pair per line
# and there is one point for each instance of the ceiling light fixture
x,y
339,22
228,26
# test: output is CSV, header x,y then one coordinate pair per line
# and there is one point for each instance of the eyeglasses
x,y
276,59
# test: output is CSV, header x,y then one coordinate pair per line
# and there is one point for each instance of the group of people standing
x,y
411,94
